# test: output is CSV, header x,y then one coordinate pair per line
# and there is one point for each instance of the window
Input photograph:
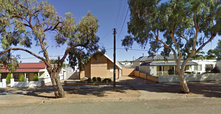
x,y
161,68
15,76
198,67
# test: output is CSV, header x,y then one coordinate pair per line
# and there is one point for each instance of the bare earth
x,y
16,96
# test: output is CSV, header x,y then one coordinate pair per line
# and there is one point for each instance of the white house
x,y
203,65
159,65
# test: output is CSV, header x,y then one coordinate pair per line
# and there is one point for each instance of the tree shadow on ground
x,y
207,89
42,91
97,91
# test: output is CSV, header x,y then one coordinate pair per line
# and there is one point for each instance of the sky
x,y
111,14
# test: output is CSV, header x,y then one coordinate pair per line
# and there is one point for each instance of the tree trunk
x,y
55,87
58,89
183,83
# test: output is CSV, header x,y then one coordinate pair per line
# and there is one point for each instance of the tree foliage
x,y
22,78
8,78
217,50
27,22
35,77
182,27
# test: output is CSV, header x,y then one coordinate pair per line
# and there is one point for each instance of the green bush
x,y
89,80
8,78
22,78
109,80
35,77
94,79
98,79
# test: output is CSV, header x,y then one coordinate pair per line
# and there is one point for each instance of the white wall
x,y
191,77
136,63
203,63
3,83
153,70
26,83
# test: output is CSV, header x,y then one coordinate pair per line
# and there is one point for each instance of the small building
x,y
29,70
204,65
159,65
101,67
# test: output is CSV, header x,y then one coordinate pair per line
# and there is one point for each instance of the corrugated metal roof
x,y
155,63
155,57
27,67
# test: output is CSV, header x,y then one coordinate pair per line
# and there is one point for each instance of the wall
x,y
110,72
99,67
3,83
136,63
127,71
26,83
145,69
145,76
191,77
137,73
87,70
153,70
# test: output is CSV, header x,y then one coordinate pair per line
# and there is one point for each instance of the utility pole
x,y
114,58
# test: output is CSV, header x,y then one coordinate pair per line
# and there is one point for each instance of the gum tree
x,y
181,27
27,22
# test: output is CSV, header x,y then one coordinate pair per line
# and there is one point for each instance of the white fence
x,y
190,77
3,83
26,83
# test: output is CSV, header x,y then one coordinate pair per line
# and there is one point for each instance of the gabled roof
x,y
108,58
156,63
155,58
27,67
113,61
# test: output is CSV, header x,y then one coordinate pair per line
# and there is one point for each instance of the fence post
x,y
12,82
26,82
3,82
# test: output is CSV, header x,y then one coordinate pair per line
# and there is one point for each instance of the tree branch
x,y
68,50
211,38
23,50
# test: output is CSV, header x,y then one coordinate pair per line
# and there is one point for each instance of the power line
x,y
122,13
123,22
118,13
105,35
128,49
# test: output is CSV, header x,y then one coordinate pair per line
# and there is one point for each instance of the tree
x,y
199,55
27,22
22,78
35,77
211,54
8,78
217,50
181,27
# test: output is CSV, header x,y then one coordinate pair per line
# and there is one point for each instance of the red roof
x,y
27,67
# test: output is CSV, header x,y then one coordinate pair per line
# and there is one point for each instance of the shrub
x,y
35,77
98,79
94,79
89,80
109,80
8,78
22,78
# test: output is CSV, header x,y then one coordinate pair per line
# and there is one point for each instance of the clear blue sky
x,y
111,14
